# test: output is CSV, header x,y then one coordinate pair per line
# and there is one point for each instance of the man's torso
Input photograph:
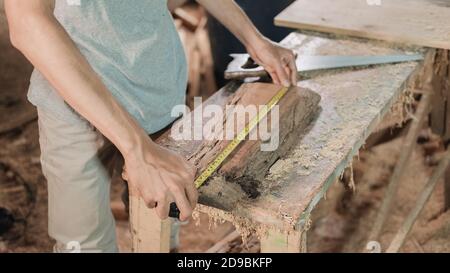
x,y
134,47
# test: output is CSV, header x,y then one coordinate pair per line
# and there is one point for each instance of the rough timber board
x,y
242,174
353,102
418,22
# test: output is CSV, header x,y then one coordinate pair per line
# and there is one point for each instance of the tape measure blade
x,y
212,167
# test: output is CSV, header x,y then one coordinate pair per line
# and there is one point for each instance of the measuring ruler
x,y
213,166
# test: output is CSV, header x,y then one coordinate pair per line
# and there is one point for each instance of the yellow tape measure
x,y
239,138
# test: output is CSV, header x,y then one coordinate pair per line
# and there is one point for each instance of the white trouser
x,y
79,210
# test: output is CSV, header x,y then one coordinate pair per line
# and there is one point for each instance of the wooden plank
x,y
353,102
441,93
418,22
440,115
248,163
447,190
149,233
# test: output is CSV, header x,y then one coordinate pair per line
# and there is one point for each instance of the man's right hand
x,y
161,177
158,175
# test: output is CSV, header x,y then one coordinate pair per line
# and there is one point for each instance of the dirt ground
x,y
340,223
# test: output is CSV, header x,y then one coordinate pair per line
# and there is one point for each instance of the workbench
x,y
353,102
401,22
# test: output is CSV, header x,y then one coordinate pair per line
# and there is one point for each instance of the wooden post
x,y
447,135
149,233
441,89
407,148
422,200
279,242
447,189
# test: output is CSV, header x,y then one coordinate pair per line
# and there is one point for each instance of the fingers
x,y
170,181
190,190
192,195
274,76
125,176
162,199
293,68
192,170
162,209
287,69
124,173
280,63
290,67
183,205
282,75
179,187
149,199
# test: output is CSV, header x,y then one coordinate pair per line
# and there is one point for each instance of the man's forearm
x,y
234,18
40,37
278,61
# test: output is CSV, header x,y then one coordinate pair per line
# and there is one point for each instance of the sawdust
x,y
243,225
334,147
246,227
351,183
281,167
290,222
349,117
299,158
328,142
402,110
351,110
345,45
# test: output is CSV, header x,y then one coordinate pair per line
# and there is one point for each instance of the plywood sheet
x,y
418,22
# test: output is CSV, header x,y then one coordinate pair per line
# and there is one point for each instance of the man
x,y
114,69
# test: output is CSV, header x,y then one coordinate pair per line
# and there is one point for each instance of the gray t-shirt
x,y
134,47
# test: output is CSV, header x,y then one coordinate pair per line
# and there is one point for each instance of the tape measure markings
x,y
213,166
